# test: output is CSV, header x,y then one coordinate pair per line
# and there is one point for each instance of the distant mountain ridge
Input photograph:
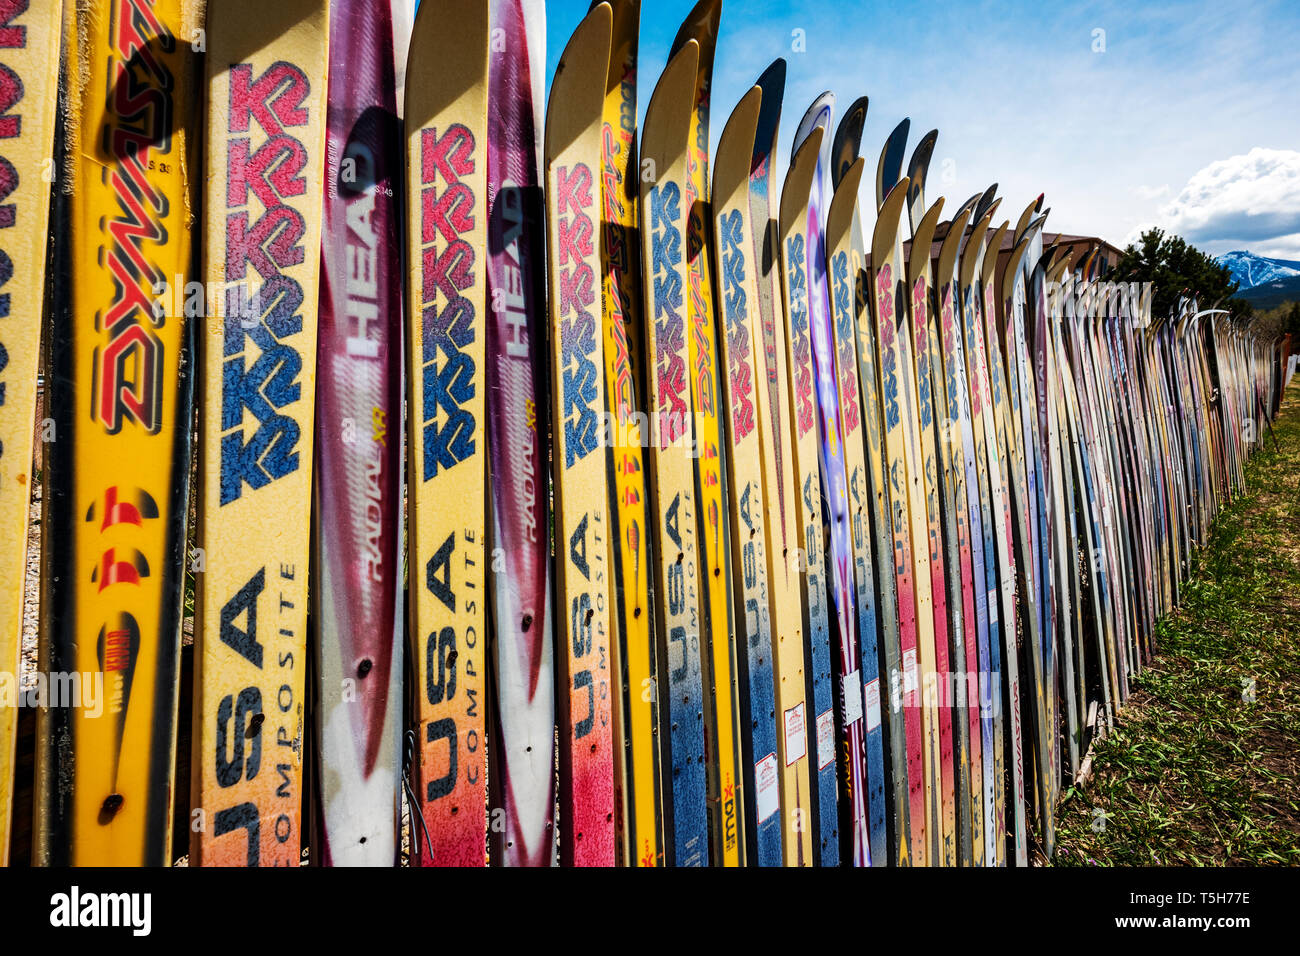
x,y
1250,271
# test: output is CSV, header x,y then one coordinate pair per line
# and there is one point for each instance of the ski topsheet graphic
x,y
841,220
818,729
586,679
120,395
638,757
523,676
783,534
446,298
745,370
266,150
664,213
849,727
29,49
722,703
356,570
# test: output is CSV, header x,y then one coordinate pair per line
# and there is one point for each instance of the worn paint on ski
x,y
639,756
839,233
820,730
446,298
255,471
722,691
357,505
574,120
779,489
29,50
522,661
672,474
119,391
746,370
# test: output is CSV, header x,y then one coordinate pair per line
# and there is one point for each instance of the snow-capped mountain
x,y
1250,270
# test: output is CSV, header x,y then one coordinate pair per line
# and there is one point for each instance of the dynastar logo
x,y
994,353
737,314
577,281
844,339
922,351
950,350
670,342
800,346
888,360
263,383
449,317
129,361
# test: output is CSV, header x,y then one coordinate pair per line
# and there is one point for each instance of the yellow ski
x,y
266,152
117,476
637,751
29,49
446,292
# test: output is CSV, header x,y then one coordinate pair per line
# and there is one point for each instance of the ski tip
x,y
817,116
923,241
798,180
731,165
668,117
578,88
844,202
887,223
890,167
952,242
986,202
700,25
772,80
847,145
439,74
917,171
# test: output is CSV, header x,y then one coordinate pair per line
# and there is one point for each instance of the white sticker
x,y
796,735
767,774
872,692
909,671
825,739
852,686
993,608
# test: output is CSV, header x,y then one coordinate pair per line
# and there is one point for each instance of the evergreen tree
x,y
1176,268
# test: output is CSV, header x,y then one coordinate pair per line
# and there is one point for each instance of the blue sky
x,y
1187,119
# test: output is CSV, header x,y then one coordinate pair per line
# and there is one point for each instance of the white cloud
x,y
1252,198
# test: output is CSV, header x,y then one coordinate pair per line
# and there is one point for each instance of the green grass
x,y
1196,772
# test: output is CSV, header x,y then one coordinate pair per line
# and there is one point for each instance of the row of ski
x,y
807,541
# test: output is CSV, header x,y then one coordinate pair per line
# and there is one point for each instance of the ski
x,y
120,395
746,370
574,120
985,336
521,664
663,214
722,697
640,756
29,59
934,657
863,692
255,471
357,513
779,489
888,284
848,141
965,567
820,731
446,298
849,727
